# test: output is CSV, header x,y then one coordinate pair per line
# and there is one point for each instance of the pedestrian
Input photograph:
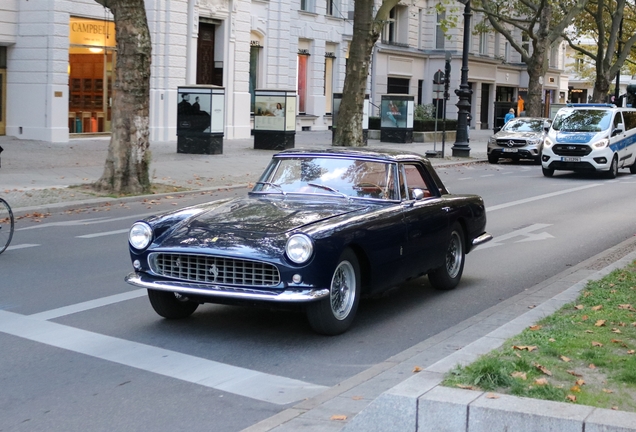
x,y
509,116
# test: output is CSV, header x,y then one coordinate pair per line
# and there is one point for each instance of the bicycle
x,y
6,223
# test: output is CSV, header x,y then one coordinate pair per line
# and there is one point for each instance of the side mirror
x,y
497,129
546,125
618,129
418,194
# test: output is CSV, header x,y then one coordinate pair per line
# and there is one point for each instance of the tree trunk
x,y
127,164
366,31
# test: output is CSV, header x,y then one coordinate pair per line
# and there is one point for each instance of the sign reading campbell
x,y
85,31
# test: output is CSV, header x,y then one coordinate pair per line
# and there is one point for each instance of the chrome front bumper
x,y
484,238
209,290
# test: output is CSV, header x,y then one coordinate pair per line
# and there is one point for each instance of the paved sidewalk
x,y
37,174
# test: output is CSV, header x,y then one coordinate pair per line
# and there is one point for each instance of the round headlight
x,y
299,248
140,235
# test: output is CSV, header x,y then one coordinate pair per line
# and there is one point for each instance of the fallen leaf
x,y
627,307
465,387
600,323
571,398
417,369
631,352
357,397
596,344
580,382
339,417
597,308
571,372
589,331
575,388
532,306
492,396
552,340
564,358
592,366
521,375
579,307
584,318
615,330
541,381
608,391
524,347
587,294
615,408
535,327
543,369
617,341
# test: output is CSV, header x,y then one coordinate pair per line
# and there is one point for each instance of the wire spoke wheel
x,y
454,256
343,290
6,225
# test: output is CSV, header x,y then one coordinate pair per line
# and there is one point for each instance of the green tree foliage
x,y
605,32
541,23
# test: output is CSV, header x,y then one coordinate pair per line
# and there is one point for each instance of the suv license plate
x,y
571,159
510,150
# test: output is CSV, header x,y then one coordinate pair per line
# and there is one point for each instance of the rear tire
x,y
171,305
632,168
334,315
548,172
448,275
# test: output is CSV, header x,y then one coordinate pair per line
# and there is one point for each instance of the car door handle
x,y
446,209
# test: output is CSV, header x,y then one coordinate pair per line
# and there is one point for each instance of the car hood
x,y
254,218
575,137
503,135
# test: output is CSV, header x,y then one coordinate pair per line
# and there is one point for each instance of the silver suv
x,y
520,138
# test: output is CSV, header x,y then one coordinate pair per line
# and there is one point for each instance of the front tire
x,y
547,172
632,168
493,159
171,305
613,171
448,275
335,314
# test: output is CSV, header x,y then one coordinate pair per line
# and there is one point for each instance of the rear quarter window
x,y
630,119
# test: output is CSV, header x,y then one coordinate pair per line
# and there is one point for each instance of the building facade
x,y
57,60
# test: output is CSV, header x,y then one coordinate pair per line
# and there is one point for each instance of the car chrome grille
x,y
571,150
214,270
511,142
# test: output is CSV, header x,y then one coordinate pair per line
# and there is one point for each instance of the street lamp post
x,y
461,148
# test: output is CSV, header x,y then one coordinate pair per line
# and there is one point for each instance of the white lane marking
x,y
22,246
244,382
487,175
91,221
527,234
121,231
540,197
87,305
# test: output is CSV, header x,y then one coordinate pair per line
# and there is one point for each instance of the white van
x,y
591,137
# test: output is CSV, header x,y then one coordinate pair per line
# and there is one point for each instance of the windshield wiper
x,y
274,185
329,188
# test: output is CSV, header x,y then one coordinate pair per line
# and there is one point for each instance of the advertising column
x,y
200,119
274,119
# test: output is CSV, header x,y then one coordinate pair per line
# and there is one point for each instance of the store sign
x,y
92,32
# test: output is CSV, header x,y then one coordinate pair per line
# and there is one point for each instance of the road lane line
x,y
539,197
102,234
87,305
244,382
22,246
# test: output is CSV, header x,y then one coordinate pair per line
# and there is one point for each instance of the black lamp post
x,y
461,148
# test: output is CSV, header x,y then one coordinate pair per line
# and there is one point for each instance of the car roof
x,y
357,152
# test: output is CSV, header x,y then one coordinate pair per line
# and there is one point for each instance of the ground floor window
x,y
91,73
397,85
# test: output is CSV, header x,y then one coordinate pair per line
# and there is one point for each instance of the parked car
x,y
320,229
520,138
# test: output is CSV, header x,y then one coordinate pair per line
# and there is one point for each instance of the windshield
x,y
524,125
349,178
582,120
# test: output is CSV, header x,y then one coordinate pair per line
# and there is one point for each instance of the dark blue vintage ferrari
x,y
320,229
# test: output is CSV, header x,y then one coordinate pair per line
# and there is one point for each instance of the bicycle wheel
x,y
6,225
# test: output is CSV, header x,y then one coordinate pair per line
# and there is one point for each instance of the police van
x,y
592,138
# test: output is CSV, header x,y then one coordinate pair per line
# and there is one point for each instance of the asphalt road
x,y
82,350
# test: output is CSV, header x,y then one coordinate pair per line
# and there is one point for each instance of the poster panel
x,y
218,102
269,112
393,113
290,114
193,111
